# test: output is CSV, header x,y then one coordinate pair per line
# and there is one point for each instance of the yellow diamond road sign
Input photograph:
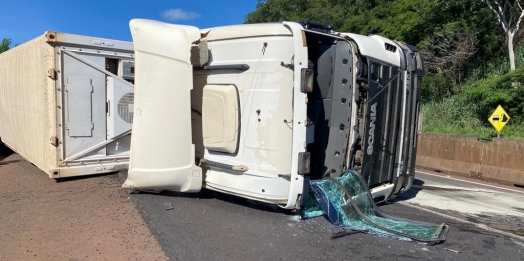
x,y
499,118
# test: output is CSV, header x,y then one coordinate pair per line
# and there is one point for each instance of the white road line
x,y
472,182
481,226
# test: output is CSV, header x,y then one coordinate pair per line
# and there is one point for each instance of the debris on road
x,y
452,250
344,233
348,204
168,205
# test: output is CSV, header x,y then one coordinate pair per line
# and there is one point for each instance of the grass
x,y
454,116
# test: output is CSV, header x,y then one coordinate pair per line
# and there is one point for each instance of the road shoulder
x,y
91,218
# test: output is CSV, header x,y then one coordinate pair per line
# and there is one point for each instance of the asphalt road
x,y
214,226
486,223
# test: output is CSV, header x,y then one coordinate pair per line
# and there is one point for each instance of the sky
x,y
23,20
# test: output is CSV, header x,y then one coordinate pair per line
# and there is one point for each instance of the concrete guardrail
x,y
499,160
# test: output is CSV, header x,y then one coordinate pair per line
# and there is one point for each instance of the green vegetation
x,y
464,47
467,112
4,45
451,116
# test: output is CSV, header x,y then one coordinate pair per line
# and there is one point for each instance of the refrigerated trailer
x,y
66,103
261,110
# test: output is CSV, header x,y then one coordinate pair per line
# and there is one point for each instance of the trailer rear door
x,y
96,124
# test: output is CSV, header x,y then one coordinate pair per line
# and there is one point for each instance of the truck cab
x,y
261,110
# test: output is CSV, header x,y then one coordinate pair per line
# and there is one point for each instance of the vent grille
x,y
126,107
391,48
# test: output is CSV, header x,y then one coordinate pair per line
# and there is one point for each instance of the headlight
x,y
306,84
303,163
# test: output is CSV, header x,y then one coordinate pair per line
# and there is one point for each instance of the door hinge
x,y
54,141
51,73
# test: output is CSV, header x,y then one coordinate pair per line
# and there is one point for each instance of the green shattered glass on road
x,y
347,203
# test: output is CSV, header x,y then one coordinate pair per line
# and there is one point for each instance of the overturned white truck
x,y
260,110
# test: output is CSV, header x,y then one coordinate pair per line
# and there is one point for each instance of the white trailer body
x,y
234,109
66,103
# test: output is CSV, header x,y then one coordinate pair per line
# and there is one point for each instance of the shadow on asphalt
x,y
411,193
4,152
6,162
206,194
91,176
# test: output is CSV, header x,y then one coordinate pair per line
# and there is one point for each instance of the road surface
x,y
486,223
93,219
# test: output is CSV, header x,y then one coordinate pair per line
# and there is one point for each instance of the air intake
x,y
125,107
391,48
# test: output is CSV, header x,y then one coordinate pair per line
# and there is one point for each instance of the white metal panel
x,y
88,41
84,107
107,145
220,114
246,31
374,47
79,92
162,154
108,126
273,190
266,103
299,113
119,147
120,98
26,98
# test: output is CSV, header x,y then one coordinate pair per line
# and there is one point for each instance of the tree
x,y
4,46
448,53
509,14
334,12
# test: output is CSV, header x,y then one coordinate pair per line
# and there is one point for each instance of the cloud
x,y
179,14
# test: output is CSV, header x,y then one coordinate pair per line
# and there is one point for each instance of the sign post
x,y
498,119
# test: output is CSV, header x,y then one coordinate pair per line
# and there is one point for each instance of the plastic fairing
x,y
373,46
162,154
